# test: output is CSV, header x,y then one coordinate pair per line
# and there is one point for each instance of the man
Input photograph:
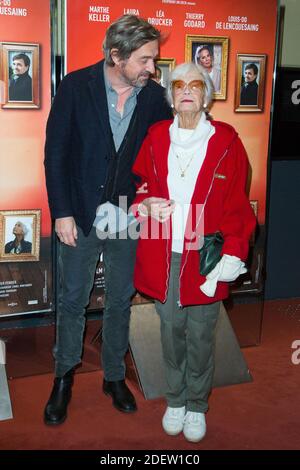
x,y
20,85
97,124
250,87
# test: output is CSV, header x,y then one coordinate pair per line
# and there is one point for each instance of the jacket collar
x,y
98,91
217,149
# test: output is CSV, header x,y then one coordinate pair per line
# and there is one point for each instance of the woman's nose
x,y
186,90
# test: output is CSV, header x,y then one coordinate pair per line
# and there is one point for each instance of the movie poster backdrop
x,y
231,31
25,100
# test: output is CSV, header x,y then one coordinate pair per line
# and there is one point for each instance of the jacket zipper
x,y
199,220
167,244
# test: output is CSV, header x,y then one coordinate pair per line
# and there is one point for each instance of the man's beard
x,y
138,82
142,80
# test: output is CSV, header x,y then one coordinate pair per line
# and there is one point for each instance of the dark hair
x,y
253,67
127,34
23,57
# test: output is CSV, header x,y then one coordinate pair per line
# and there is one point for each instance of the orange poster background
x,y
22,131
84,47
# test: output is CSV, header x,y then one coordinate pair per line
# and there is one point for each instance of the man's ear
x,y
114,54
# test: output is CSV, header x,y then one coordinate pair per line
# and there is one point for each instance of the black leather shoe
x,y
56,408
122,397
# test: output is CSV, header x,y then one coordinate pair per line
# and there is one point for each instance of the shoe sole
x,y
194,440
48,422
54,423
116,406
172,433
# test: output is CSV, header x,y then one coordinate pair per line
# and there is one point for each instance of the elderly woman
x,y
193,175
19,244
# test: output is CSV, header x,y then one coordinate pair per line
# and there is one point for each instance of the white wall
x,y
291,34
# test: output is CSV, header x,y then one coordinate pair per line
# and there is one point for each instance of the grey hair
x,y
201,48
181,71
127,34
24,227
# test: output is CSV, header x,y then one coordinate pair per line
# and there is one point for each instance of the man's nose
x,y
151,67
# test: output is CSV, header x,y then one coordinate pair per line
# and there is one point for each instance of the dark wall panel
x,y
283,247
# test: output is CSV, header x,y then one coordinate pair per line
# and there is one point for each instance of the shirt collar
x,y
108,87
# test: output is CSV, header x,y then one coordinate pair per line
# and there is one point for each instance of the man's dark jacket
x,y
79,142
249,93
21,89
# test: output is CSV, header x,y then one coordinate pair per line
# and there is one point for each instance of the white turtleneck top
x,y
186,155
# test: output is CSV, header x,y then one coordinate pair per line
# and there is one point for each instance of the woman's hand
x,y
157,207
227,269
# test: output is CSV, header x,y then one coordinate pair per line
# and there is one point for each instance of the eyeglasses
x,y
178,86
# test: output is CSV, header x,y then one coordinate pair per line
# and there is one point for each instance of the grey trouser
x,y
188,337
77,268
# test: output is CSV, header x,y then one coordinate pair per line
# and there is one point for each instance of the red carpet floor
x,y
263,414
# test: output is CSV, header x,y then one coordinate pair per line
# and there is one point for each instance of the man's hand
x,y
66,230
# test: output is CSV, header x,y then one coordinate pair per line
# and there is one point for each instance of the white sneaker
x,y
194,427
173,420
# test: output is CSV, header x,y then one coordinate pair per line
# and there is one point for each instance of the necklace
x,y
183,170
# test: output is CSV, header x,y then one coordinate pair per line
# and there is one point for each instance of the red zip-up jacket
x,y
220,192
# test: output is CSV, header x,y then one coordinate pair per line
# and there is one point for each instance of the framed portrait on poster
x,y
163,68
212,53
20,235
20,75
250,82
